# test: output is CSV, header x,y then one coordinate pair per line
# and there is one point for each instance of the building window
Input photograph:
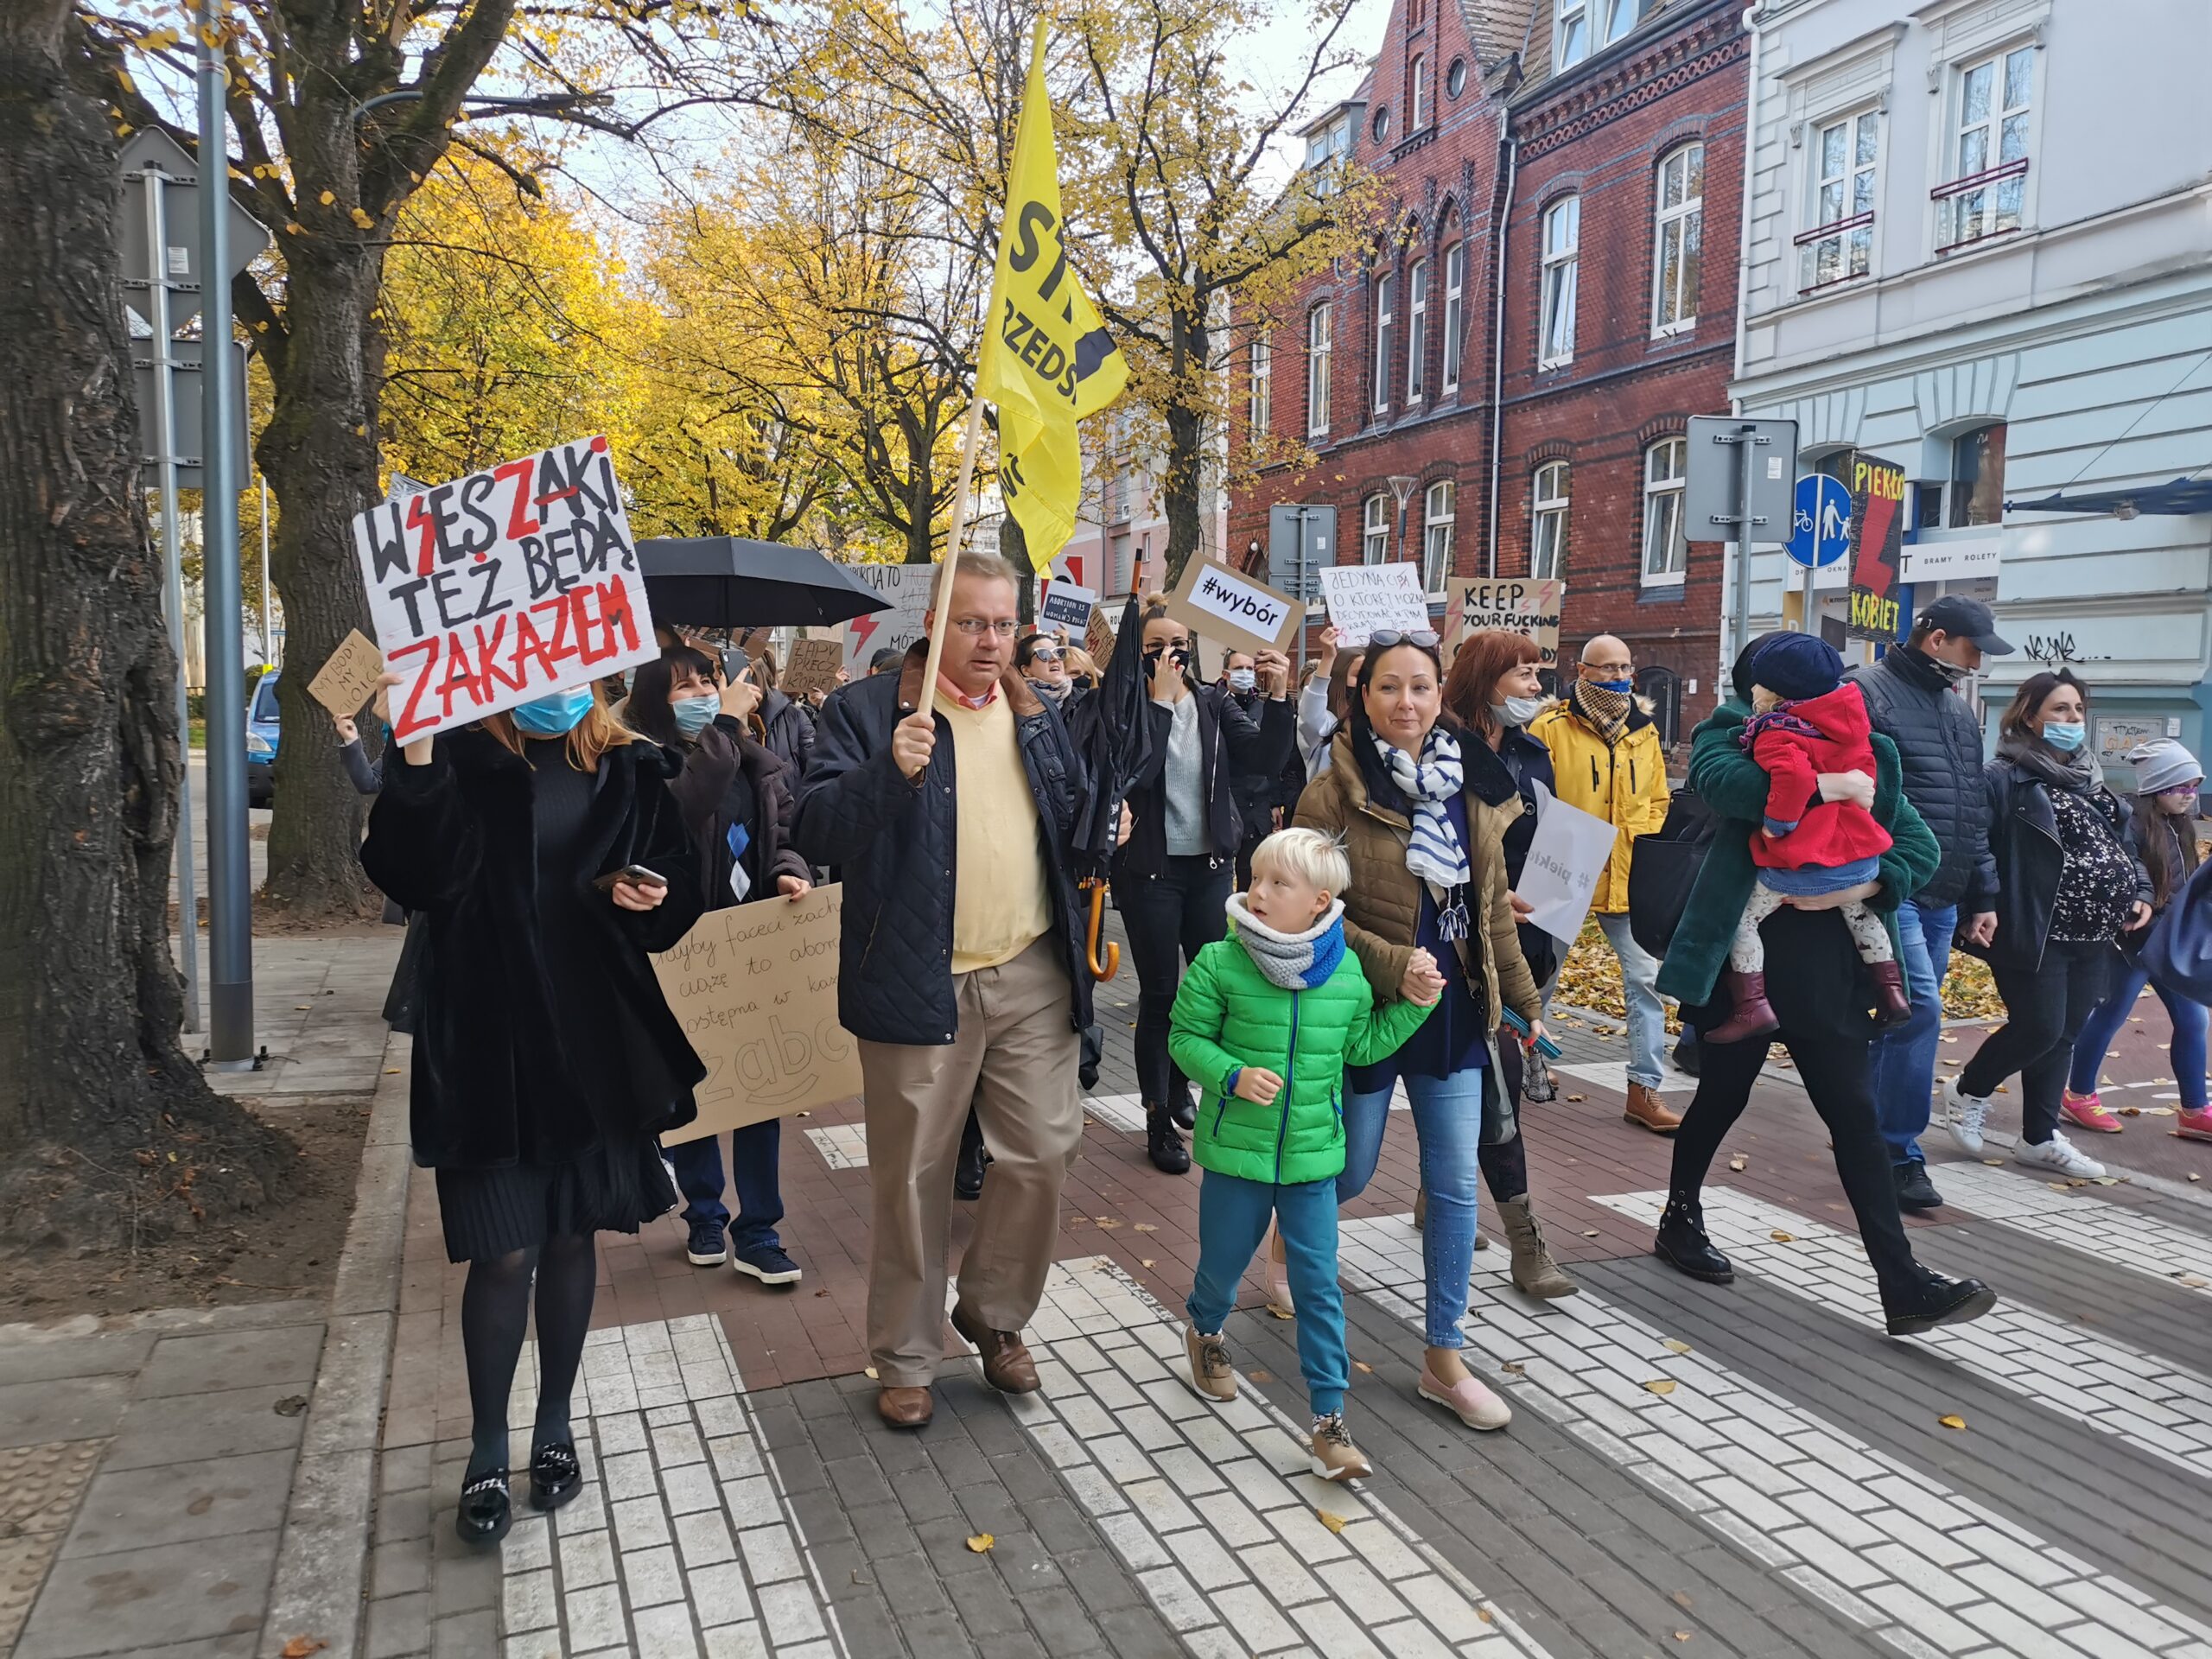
x,y
1416,331
1674,240
1261,408
1977,477
1384,296
1318,349
1666,553
1455,78
1572,32
1375,530
1380,126
1325,150
1547,521
1838,242
1421,94
1416,16
1436,536
1455,282
1989,156
1555,323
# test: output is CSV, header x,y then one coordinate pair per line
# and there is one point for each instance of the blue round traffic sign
x,y
1820,525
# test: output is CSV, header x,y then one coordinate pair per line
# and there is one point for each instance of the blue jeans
x,y
1901,1065
1647,1014
1232,1220
2187,1052
1448,1122
753,1152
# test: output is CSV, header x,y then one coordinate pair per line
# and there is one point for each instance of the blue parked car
x,y
261,741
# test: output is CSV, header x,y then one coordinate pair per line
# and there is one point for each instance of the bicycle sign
x,y
1820,527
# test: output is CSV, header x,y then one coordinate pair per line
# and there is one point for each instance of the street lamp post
x,y
1402,486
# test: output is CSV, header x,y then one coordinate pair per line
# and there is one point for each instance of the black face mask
x,y
1153,657
1950,673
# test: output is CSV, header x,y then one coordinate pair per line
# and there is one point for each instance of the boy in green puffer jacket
x,y
1265,1021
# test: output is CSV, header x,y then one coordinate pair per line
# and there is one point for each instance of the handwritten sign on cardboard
x,y
503,585
813,666
1065,605
1098,639
349,678
1236,609
907,587
1362,598
1516,604
755,989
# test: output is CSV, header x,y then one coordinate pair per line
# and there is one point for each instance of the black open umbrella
x,y
726,581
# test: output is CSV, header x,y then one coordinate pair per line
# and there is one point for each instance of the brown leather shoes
x,y
1007,1365
906,1408
1645,1107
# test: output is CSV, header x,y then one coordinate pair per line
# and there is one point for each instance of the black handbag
x,y
1663,868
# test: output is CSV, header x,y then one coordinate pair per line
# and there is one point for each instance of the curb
x,y
318,1590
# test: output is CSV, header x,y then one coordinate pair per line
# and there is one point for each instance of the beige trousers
x,y
1014,1057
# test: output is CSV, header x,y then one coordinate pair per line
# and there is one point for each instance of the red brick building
x,y
1583,160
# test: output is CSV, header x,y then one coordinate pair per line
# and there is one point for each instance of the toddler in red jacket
x,y
1812,854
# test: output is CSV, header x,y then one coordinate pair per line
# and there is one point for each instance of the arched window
x,y
1420,79
1547,521
1375,530
1437,515
1666,551
1555,318
1675,236
1455,311
1317,351
1416,331
1385,318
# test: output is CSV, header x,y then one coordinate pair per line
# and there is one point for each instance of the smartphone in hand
x,y
636,874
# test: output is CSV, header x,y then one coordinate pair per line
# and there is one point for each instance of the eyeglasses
x,y
1384,639
1611,670
1006,627
1044,654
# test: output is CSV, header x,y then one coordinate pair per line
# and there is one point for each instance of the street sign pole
x,y
157,306
1753,488
230,915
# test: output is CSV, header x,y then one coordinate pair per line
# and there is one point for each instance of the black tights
x,y
2045,1007
1826,1029
494,1314
1170,918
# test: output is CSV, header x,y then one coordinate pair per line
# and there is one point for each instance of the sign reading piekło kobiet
x,y
1877,544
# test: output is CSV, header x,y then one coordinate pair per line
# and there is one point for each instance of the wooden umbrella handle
x,y
1104,968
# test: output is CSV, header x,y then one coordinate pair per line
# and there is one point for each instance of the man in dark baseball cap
x,y
1966,621
1911,699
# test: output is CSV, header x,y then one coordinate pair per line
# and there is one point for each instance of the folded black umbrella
x,y
1114,735
726,581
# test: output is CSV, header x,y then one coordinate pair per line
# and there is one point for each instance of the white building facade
x,y
1979,243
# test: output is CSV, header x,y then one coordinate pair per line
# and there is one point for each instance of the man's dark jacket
x,y
895,842
1939,743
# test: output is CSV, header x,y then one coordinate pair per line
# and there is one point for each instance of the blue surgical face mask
x,y
1242,679
555,715
2066,734
1622,686
693,714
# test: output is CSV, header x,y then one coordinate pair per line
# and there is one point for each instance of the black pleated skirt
x,y
616,1187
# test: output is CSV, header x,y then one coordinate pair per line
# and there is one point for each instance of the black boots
x,y
1163,1144
1936,1301
1681,1242
967,1173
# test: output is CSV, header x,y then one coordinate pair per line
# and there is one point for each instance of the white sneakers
x,y
2058,1153
1966,1117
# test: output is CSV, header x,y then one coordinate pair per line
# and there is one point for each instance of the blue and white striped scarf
x,y
1434,854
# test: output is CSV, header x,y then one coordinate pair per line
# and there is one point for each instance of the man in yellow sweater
x,y
961,975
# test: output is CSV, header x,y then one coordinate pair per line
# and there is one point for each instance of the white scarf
x,y
1434,854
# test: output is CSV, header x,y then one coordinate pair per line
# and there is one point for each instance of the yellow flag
x,y
1046,358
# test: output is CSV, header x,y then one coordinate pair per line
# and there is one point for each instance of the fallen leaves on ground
x,y
1781,1237
1107,1221
1146,1261
1952,1421
1740,1163
1574,1100
1673,1344
300,1646
982,1542
1589,1232
1591,978
1280,1312
1334,1523
1144,1227
1514,1368
1660,1385
2194,1281
1361,1365
871,1374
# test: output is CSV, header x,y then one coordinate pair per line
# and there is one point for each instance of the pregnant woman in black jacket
x,y
546,1059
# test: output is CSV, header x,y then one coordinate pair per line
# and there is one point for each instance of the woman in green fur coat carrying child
x,y
1265,1023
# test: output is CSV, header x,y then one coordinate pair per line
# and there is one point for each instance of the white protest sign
x,y
755,989
1065,605
1362,598
1515,604
503,585
1569,854
1226,604
907,587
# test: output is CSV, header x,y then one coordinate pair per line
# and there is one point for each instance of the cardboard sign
x,y
755,989
1098,639
1877,547
813,666
907,587
1566,859
1362,598
503,585
1236,609
1065,605
1516,604
349,678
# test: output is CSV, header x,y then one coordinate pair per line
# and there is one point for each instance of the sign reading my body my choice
x,y
503,585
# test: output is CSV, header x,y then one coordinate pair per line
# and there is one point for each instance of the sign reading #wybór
x,y
1228,606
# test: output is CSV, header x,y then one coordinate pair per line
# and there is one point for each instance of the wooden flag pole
x,y
941,589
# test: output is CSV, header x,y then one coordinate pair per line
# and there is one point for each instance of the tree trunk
x,y
1183,486
319,452
107,1132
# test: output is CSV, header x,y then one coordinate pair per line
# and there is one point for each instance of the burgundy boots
x,y
1891,1006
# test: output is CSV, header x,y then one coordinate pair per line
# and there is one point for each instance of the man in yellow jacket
x,y
1606,757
